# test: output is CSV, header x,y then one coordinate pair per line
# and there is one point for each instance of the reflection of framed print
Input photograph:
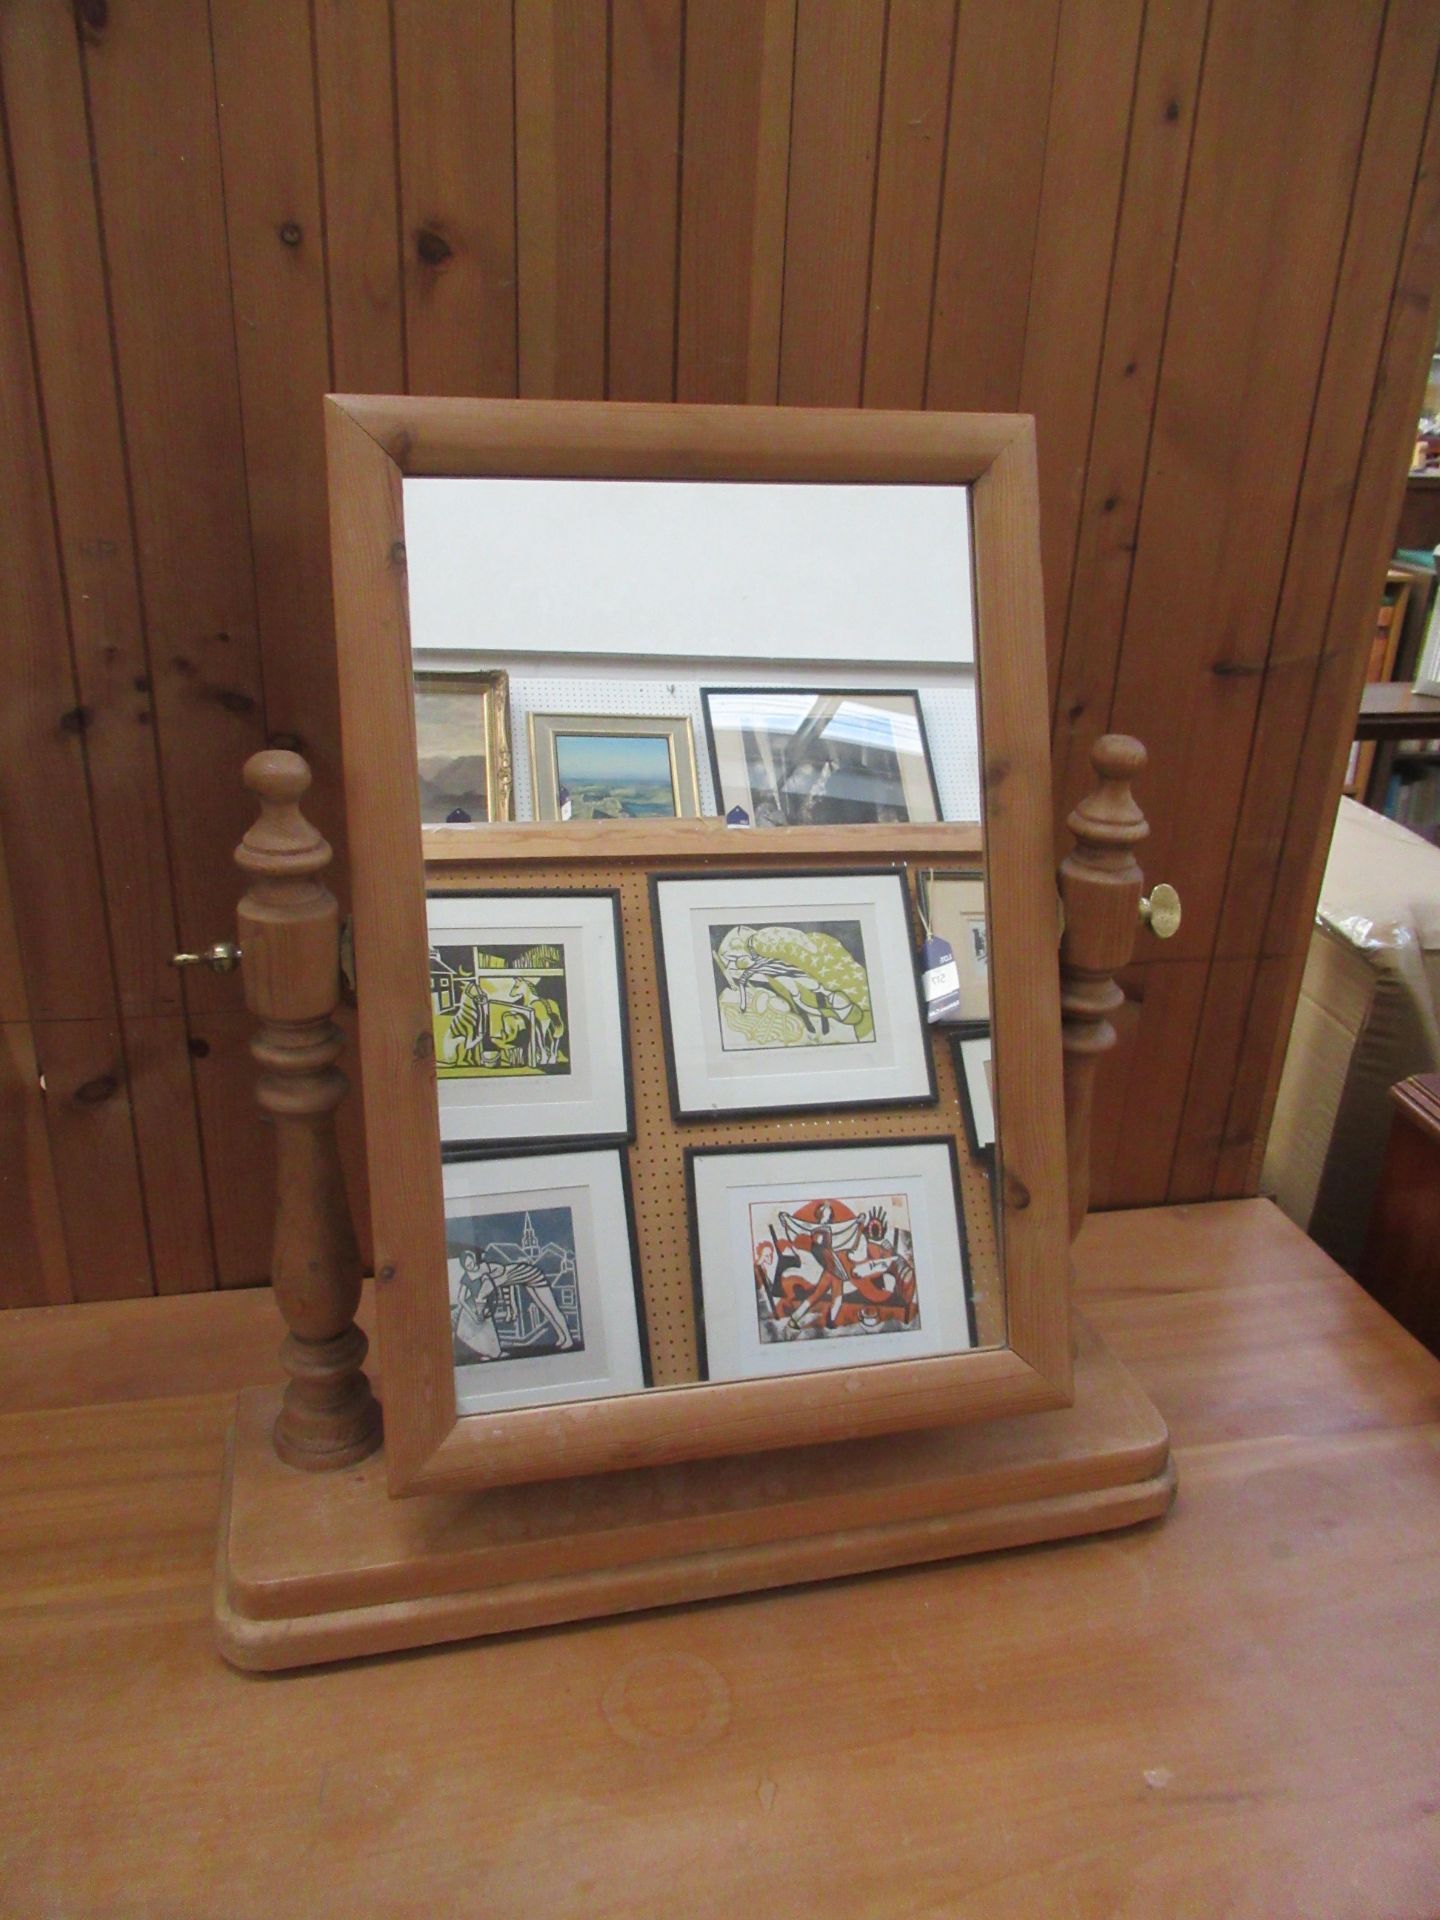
x,y
545,1301
462,746
787,991
612,767
811,757
527,1006
977,1089
954,906
827,1256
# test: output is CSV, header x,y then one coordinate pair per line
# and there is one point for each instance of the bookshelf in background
x,y
1385,649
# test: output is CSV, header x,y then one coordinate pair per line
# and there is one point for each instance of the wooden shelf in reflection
x,y
480,842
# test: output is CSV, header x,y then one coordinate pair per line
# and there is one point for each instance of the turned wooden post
x,y
1100,885
289,941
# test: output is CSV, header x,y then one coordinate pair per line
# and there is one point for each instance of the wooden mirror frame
x,y
373,444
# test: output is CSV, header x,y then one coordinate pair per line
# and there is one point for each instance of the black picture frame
x,y
693,1154
538,1150
474,1149
897,871
723,805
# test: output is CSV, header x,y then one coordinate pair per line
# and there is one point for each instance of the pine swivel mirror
x,y
696,761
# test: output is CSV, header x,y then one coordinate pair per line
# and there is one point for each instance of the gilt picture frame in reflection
x,y
527,1016
462,747
543,1278
812,1258
792,991
820,757
602,766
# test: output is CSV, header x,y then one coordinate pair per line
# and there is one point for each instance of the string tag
x,y
939,979
737,817
564,809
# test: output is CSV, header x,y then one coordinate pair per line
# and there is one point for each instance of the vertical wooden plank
x,y
49,140
34,1265
92,1144
839,56
14,1002
454,72
1257,263
269,152
1388,163
1205,1098
919,46
46,114
995,153
44,793
738,81
561,110
354,85
1140,1085
239,1149
645,63
1269,1012
167,1127
1089,123
1161,129
150,78
1405,359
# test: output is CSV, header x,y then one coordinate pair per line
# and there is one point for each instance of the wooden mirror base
x,y
319,1567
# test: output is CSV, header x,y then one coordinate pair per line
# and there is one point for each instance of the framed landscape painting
x,y
545,1302
612,767
527,1009
789,991
462,747
793,757
827,1256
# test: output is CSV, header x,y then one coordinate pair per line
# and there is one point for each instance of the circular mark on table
x,y
667,1702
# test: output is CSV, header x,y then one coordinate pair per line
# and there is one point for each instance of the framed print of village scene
x,y
527,1014
786,991
545,1303
833,1256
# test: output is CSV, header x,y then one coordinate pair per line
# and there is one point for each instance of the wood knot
x,y
76,719
93,17
433,248
104,1086
1017,1194
285,742
1172,110
198,1049
291,234
424,1049
386,1273
397,553
233,701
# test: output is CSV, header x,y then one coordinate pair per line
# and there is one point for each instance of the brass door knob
x,y
223,957
1160,910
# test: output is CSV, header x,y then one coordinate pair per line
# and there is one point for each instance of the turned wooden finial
x,y
290,938
1100,885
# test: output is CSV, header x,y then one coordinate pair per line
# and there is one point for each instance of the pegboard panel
x,y
657,1156
616,688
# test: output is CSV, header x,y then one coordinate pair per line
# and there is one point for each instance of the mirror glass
x,y
709,964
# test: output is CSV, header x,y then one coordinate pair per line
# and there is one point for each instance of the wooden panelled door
x,y
1196,238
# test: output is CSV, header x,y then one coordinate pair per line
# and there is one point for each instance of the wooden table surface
x,y
1235,1711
